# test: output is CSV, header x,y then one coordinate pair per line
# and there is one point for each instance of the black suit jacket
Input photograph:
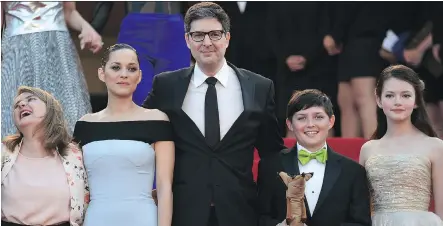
x,y
222,174
343,201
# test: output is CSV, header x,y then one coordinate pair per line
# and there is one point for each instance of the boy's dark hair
x,y
308,98
207,10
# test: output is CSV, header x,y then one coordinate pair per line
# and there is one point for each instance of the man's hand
x,y
388,56
435,52
296,62
283,223
330,45
413,57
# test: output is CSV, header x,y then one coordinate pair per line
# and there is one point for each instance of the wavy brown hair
x,y
55,135
419,117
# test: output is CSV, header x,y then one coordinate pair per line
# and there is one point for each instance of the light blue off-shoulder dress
x,y
120,164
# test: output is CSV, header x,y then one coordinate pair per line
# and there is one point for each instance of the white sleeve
x,y
389,41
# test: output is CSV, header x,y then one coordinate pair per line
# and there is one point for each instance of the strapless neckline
x,y
401,188
394,156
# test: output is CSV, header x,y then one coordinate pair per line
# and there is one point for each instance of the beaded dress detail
x,y
401,188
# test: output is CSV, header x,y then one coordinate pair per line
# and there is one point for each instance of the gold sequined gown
x,y
401,190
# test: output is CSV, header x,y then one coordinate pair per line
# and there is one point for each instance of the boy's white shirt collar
x,y
300,147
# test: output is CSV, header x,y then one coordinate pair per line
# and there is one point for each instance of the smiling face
x,y
121,73
29,110
397,99
311,126
211,50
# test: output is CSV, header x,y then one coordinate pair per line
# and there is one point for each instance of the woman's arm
x,y
86,186
164,159
364,152
88,36
78,153
437,177
73,18
425,44
3,17
4,149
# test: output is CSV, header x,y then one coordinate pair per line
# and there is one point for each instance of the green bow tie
x,y
305,156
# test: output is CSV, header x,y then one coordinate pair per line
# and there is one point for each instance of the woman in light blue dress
x,y
121,146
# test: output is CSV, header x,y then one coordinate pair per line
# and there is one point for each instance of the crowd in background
x,y
339,48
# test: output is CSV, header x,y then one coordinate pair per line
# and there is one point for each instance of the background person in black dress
x,y
356,33
249,48
296,31
420,24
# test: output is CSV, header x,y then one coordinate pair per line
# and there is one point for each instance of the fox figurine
x,y
295,196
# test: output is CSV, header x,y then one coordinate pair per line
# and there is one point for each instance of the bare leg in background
x,y
349,115
363,89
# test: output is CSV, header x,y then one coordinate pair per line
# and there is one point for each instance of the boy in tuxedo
x,y
338,192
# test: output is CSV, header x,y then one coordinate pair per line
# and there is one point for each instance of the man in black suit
x,y
338,192
219,113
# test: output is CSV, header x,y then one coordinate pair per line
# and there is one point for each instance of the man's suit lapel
x,y
182,87
290,165
289,161
248,96
247,87
180,90
332,172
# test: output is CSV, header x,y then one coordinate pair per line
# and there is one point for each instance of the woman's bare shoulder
x,y
369,146
435,147
153,115
91,117
367,150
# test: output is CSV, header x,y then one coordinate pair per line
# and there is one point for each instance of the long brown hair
x,y
419,117
54,126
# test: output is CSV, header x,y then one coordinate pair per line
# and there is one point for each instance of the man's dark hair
x,y
308,98
207,10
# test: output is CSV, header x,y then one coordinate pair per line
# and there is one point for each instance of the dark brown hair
x,y
308,98
114,48
204,10
419,117
54,125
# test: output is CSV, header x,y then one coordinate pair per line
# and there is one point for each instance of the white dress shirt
x,y
314,185
229,98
